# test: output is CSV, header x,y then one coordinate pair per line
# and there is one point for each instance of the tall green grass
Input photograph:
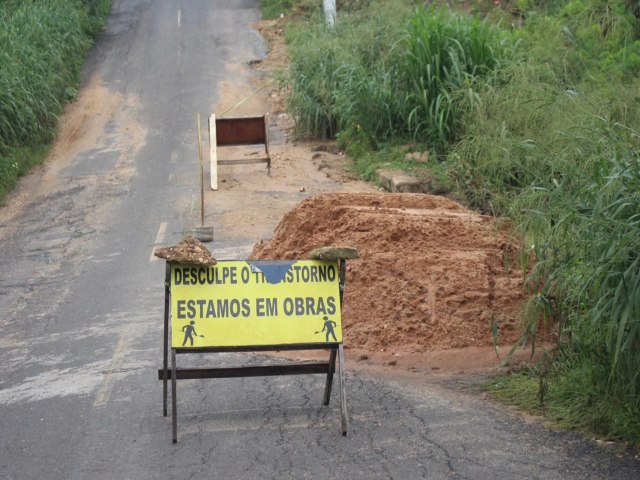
x,y
555,143
390,72
43,44
443,57
547,133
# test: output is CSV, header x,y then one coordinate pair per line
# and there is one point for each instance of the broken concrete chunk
x,y
190,251
398,181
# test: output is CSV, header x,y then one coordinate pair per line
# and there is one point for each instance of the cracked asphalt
x,y
81,300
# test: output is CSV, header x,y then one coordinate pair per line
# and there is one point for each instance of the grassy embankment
x,y
43,45
531,113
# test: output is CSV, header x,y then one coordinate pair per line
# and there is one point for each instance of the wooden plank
x,y
244,161
213,152
174,398
240,131
234,131
249,371
266,143
258,348
165,360
343,394
343,278
329,384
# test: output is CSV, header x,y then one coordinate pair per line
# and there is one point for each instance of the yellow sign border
x,y
243,303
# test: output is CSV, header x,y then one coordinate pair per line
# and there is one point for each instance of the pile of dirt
x,y
190,251
432,274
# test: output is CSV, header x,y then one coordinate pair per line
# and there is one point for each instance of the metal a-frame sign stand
x,y
173,373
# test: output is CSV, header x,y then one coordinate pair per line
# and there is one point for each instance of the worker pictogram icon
x,y
189,332
328,326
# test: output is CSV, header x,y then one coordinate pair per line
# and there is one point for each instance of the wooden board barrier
x,y
192,295
237,131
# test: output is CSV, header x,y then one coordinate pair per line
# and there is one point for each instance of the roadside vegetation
x,y
528,110
43,45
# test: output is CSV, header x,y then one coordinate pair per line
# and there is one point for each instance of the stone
x,y
397,181
334,253
422,157
190,251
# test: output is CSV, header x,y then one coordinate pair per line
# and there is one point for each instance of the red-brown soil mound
x,y
432,274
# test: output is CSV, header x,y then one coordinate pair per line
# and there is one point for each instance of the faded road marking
x,y
159,239
116,363
179,18
54,383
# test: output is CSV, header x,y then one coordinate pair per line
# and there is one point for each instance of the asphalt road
x,y
81,302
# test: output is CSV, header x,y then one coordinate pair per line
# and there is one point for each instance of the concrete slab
x,y
397,181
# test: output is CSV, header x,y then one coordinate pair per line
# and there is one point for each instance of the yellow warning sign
x,y
252,303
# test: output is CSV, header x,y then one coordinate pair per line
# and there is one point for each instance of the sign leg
x,y
332,369
213,152
266,142
343,395
165,361
174,399
343,279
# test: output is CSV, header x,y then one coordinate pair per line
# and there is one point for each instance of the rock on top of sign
x,y
334,253
190,251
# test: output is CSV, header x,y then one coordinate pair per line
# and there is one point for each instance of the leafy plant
x,y
547,133
42,49
392,73
555,144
